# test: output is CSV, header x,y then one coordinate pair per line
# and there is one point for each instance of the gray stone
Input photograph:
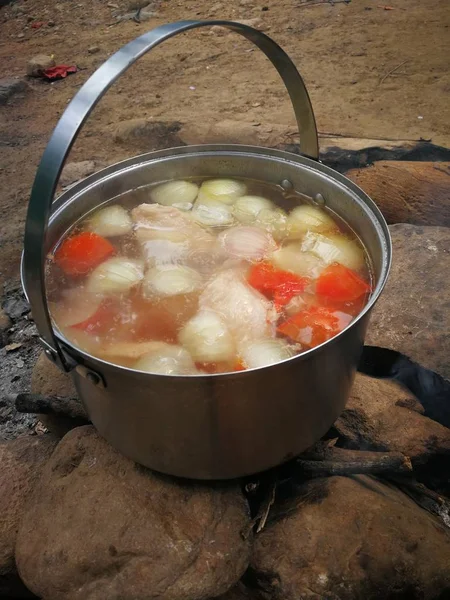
x,y
75,171
99,526
413,312
94,49
10,87
141,134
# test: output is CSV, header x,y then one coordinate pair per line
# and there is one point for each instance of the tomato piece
x,y
314,326
277,284
341,284
82,252
101,321
239,366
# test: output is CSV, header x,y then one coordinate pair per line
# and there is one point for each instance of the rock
x,y
217,7
351,539
408,192
38,64
21,462
100,526
413,312
5,321
48,380
235,132
256,23
16,306
219,31
144,15
381,415
147,135
94,49
75,171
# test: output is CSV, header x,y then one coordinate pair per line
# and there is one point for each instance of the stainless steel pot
x,y
202,426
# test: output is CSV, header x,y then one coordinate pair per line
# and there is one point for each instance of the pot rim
x,y
133,162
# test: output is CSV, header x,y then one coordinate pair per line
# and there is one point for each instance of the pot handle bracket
x,y
70,124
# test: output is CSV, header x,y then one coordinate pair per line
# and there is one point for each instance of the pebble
x,y
93,49
39,63
20,35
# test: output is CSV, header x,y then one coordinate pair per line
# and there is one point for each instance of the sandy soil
x,y
343,52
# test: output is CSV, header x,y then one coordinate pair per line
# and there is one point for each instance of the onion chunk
x,y
247,208
180,194
212,212
228,189
167,359
308,218
293,258
171,280
246,242
274,221
115,275
207,338
110,221
335,248
261,353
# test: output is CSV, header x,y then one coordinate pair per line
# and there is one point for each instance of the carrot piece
x,y
239,366
313,326
341,284
101,321
277,284
82,252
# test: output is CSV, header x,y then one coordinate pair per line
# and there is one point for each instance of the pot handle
x,y
72,120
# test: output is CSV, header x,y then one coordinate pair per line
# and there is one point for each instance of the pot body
x,y
226,425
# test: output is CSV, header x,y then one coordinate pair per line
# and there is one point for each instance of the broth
x,y
206,276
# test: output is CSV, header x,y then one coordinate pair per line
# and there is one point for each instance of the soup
x,y
206,276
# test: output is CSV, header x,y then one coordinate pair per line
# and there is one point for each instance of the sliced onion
x,y
335,248
170,280
167,360
115,275
244,310
212,212
180,194
249,243
274,221
229,188
207,338
247,208
110,221
292,258
75,306
261,353
308,218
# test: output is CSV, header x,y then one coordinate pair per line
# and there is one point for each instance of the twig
x,y
324,460
331,2
425,498
47,405
393,71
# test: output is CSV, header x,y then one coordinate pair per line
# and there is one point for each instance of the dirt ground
x,y
343,52
371,73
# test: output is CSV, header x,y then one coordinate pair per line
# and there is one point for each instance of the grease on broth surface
x,y
206,276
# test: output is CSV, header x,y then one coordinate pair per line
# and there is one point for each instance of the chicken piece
x,y
168,235
246,312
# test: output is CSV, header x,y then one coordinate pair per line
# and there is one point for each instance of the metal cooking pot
x,y
202,426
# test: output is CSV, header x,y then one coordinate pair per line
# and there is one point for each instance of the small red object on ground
x,y
59,72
